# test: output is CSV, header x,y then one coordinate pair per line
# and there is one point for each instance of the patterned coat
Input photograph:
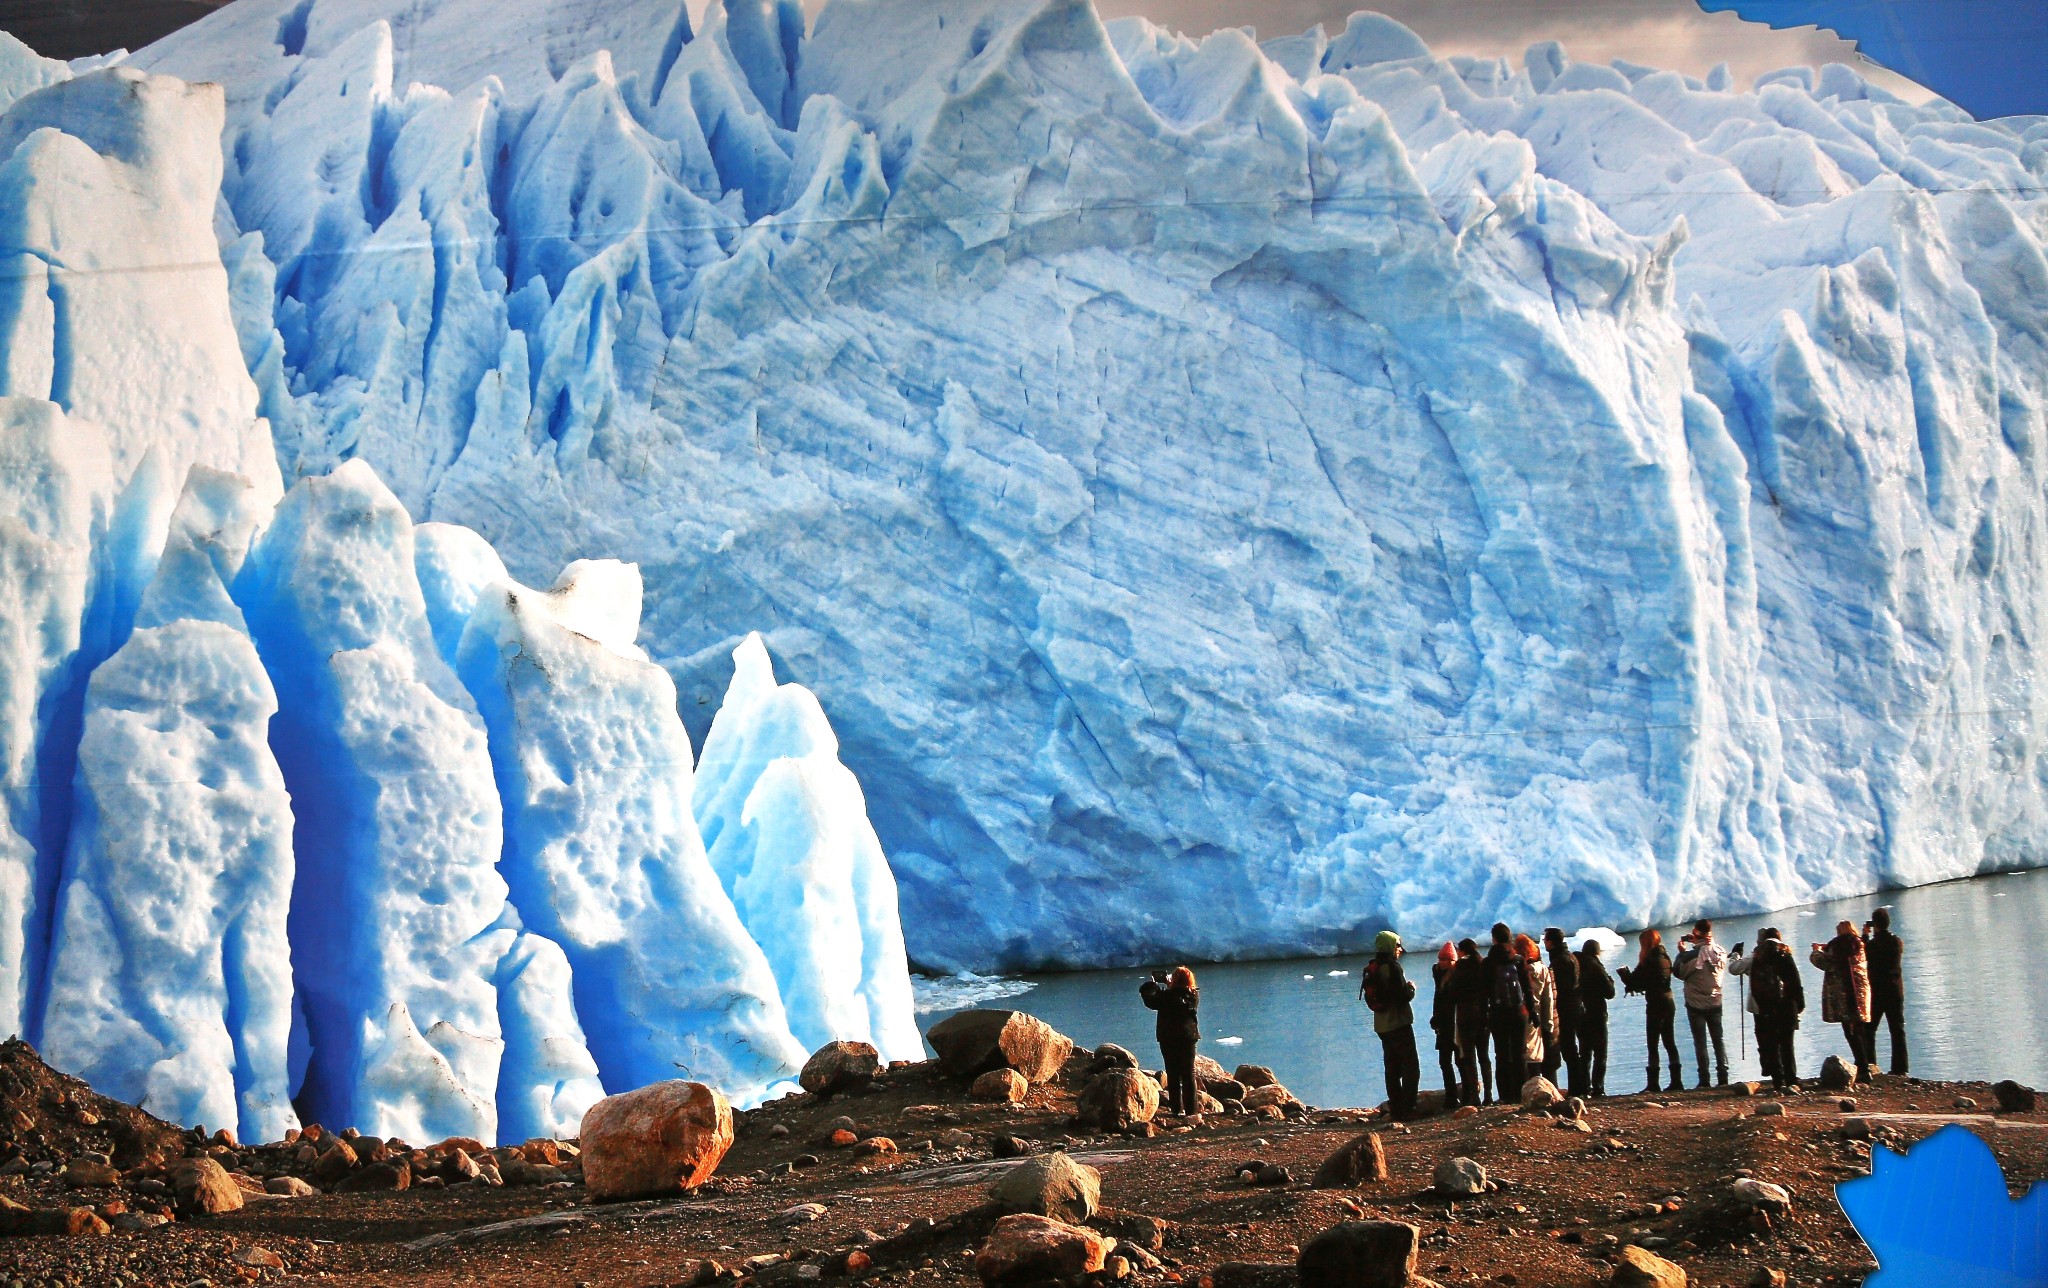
x,y
1845,986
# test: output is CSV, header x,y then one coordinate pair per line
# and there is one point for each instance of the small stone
x,y
1540,1095
338,1161
1255,1274
999,1087
801,1214
1747,1088
1027,1248
1637,1268
259,1257
1847,1104
1768,1277
203,1186
1117,1099
1053,1185
1359,1254
840,1066
875,1145
1272,1096
377,1178
779,1130
1362,1160
1111,1056
1770,1109
1965,1102
1774,1199
2014,1097
955,1138
1835,1074
1272,1174
86,1172
842,1139
1459,1177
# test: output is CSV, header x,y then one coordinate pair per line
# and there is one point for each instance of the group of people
x,y
1534,1015
1519,1009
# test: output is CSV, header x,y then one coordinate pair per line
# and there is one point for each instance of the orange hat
x,y
1447,954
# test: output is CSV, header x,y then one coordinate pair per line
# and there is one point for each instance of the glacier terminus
x,y
1202,496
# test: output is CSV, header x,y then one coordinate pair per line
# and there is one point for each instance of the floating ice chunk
x,y
1231,1041
1611,943
1337,974
170,978
602,852
787,831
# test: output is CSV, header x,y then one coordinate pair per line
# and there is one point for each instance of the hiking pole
x,y
1742,1027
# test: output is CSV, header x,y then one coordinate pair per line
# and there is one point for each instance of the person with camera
x,y
1885,952
1777,998
1700,964
1468,990
1845,993
1540,1039
1651,976
1177,998
1388,993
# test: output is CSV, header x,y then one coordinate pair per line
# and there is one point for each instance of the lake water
x,y
1975,989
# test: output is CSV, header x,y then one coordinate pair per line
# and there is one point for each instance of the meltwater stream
x,y
1973,1006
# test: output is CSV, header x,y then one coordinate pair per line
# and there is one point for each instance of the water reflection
x,y
1973,1002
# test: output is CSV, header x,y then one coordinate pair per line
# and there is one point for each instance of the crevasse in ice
x,y
1229,496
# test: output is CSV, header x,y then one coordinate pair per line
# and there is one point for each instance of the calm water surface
x,y
1975,1004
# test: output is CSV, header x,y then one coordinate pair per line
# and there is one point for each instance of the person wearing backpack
x,y
1777,997
1387,993
1468,987
1509,993
1596,990
1651,976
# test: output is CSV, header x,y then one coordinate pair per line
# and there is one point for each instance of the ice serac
x,y
399,920
1227,497
787,831
170,976
602,852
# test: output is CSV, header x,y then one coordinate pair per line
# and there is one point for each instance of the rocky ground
x,y
95,1192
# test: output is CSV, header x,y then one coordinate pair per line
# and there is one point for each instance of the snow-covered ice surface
x,y
1228,497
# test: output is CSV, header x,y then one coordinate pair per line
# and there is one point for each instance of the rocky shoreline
x,y
933,1174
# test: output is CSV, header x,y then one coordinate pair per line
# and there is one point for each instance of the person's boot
x,y
1720,1078
1677,1082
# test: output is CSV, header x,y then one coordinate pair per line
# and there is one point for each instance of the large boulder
x,y
1207,1070
1359,1254
840,1066
1111,1056
1638,1268
973,1042
1540,1095
1117,1099
1359,1161
1027,1249
1050,1185
1272,1094
2014,1097
661,1139
1459,1178
204,1187
1255,1075
1000,1087
1835,1074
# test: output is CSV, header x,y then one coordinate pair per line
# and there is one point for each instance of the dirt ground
x,y
1651,1171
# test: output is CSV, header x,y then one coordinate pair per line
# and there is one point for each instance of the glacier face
x,y
310,809
1228,495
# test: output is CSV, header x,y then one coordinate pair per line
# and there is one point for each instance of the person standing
x,y
1885,953
1468,984
1596,990
1443,1020
1564,968
1700,964
1178,999
1651,977
1541,1037
1845,993
1777,998
1508,992
1388,993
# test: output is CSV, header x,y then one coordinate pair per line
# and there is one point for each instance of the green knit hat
x,y
1386,942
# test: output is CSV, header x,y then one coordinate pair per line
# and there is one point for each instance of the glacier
x,y
1228,497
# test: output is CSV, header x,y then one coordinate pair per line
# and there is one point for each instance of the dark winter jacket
x,y
1773,970
1596,986
1507,975
1443,1008
1884,953
1177,1025
1651,977
1468,995
1564,968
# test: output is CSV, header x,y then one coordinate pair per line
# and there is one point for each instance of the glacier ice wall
x,y
266,853
1227,495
